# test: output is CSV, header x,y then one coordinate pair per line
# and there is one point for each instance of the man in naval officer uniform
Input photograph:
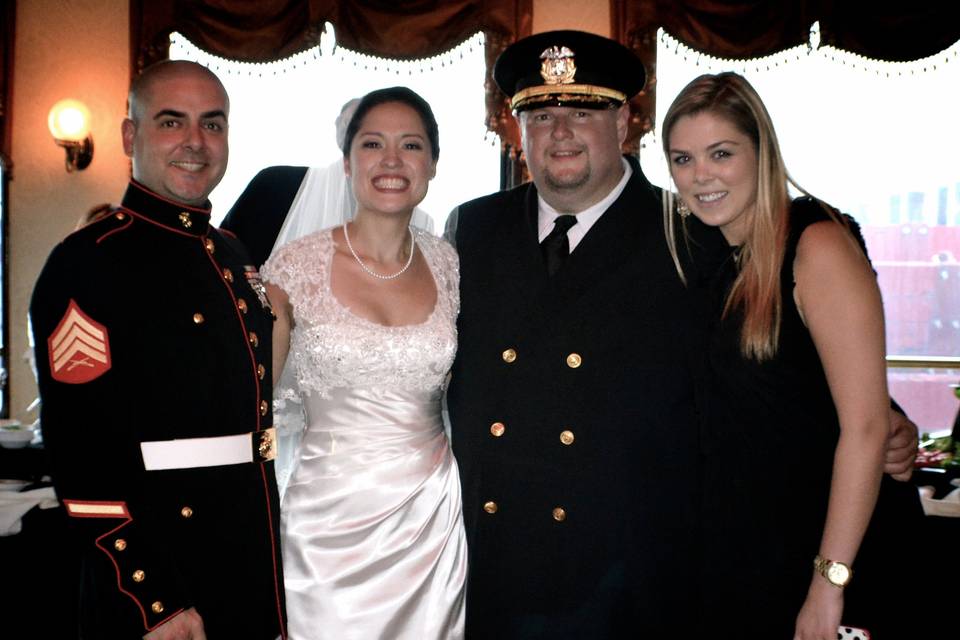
x,y
154,352
572,398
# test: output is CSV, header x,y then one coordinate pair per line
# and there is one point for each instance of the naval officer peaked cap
x,y
568,68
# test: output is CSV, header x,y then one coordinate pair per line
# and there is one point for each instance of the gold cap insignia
x,y
558,66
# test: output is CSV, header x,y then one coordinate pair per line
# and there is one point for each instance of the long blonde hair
x,y
756,290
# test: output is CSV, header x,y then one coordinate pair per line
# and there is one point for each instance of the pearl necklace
x,y
371,271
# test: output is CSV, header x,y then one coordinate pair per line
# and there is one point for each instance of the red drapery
x,y
6,78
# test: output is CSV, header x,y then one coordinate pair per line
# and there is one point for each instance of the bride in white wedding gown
x,y
371,525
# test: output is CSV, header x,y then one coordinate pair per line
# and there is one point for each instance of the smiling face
x,y
390,162
714,166
573,153
176,134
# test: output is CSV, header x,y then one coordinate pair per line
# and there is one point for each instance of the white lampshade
x,y
69,120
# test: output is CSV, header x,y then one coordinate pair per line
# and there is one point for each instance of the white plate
x,y
15,438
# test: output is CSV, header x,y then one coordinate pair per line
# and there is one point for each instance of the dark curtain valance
x,y
268,30
741,29
896,32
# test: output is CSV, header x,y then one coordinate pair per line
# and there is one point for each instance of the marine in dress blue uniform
x,y
153,354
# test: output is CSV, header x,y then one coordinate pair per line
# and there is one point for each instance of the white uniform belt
x,y
190,453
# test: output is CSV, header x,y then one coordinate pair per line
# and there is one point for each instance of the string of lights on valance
x,y
329,54
269,30
328,47
713,64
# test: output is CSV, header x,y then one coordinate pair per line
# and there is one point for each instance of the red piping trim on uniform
x,y
116,567
95,221
143,612
243,327
273,550
263,473
167,619
124,227
158,224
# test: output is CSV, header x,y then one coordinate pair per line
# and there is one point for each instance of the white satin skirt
x,y
372,529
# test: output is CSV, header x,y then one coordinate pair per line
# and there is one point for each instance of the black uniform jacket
x,y
258,214
575,424
151,326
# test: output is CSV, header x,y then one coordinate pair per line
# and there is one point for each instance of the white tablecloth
x,y
13,505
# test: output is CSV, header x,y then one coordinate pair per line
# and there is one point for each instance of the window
x,y
879,141
283,113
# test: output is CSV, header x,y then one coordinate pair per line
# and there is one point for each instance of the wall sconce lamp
x,y
69,123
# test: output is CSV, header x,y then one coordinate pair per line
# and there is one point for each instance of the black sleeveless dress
x,y
768,449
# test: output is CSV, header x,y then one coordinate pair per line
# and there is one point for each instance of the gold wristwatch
x,y
837,573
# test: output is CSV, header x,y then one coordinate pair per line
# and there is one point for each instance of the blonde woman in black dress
x,y
798,425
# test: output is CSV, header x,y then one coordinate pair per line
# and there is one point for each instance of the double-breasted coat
x,y
574,422
151,326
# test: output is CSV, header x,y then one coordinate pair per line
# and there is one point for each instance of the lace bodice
x,y
331,347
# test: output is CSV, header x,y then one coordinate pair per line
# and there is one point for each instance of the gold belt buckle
x,y
266,444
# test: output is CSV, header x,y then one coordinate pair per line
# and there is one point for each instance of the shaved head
x,y
144,83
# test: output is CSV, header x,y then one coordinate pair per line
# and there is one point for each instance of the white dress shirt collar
x,y
586,218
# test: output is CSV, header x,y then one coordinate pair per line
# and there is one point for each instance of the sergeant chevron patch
x,y
79,348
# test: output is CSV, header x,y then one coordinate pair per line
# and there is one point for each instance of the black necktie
x,y
556,246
